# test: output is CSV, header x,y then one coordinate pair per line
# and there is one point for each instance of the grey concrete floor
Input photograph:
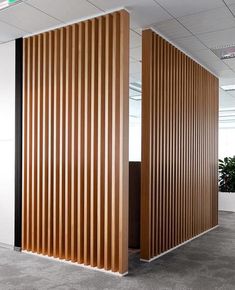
x,y
205,263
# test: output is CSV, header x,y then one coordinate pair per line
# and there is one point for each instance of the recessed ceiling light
x,y
225,53
228,88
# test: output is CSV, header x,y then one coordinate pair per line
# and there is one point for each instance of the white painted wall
x,y
7,141
135,130
135,140
226,142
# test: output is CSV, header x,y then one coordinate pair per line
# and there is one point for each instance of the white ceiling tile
x,y
231,93
8,32
135,67
138,30
227,74
212,20
134,93
218,39
206,55
226,100
232,7
135,39
132,59
27,18
229,2
136,53
135,77
185,7
135,108
66,10
227,81
147,13
217,66
172,29
114,4
230,62
190,43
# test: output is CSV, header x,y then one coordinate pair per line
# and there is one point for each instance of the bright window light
x,y
228,88
7,3
4,4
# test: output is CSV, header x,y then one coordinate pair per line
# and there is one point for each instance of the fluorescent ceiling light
x,y
225,52
7,3
228,88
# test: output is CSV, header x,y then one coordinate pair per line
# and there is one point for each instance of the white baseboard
x,y
178,246
6,246
76,264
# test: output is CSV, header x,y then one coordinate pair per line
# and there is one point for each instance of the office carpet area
x,y
207,263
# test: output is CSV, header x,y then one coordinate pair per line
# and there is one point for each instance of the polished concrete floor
x,y
206,263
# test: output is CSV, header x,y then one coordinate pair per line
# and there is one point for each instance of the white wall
x,y
7,142
226,142
135,130
227,201
135,140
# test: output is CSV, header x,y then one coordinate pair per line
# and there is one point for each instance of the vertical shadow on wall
x,y
134,205
18,141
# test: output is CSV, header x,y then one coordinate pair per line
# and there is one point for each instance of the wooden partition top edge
x,y
74,22
180,49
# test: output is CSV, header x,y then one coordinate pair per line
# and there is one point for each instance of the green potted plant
x,y
227,184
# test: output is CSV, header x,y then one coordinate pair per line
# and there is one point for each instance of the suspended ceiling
x,y
197,27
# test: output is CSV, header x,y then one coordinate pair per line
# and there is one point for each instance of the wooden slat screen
x,y
179,147
75,156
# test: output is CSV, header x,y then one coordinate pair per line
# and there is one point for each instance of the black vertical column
x,y
18,141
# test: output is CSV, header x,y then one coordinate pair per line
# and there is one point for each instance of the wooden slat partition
x,y
75,142
179,147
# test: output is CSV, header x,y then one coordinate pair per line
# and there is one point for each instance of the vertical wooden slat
x,y
74,143
25,150
68,161
108,124
101,144
81,102
56,144
34,145
179,144
45,144
87,144
29,146
50,142
94,141
123,143
146,154
62,144
39,145
153,154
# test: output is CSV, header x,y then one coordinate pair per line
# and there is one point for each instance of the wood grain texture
x,y
179,191
75,156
